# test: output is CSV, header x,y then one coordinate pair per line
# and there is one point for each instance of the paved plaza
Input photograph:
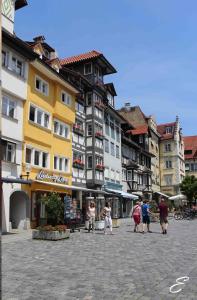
x,y
123,266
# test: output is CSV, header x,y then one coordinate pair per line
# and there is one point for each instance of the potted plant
x,y
55,228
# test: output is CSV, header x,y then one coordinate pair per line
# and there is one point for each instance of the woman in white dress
x,y
107,216
91,215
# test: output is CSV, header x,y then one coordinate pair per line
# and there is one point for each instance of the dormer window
x,y
88,69
47,54
169,129
141,140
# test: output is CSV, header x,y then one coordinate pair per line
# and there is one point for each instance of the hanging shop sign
x,y
42,175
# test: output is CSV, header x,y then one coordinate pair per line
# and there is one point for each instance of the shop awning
x,y
15,180
161,194
178,197
118,192
130,196
71,187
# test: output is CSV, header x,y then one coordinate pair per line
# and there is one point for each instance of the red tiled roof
x,y
139,130
80,57
162,130
190,143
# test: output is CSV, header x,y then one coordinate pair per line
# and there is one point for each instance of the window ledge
x,y
10,118
10,162
39,91
22,78
40,126
61,137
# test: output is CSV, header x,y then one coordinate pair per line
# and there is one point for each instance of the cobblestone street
x,y
123,266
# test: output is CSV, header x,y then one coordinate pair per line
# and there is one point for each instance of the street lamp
x,y
27,169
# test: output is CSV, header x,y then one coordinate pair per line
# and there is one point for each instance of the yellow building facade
x,y
49,114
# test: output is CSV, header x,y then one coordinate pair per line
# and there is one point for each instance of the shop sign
x,y
55,178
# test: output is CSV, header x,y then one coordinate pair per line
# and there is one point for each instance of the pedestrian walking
x,y
136,214
107,217
163,214
146,215
91,216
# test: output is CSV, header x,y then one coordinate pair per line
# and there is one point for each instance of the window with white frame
x,y
36,157
61,163
106,146
42,86
112,149
117,134
5,56
168,179
8,107
38,116
89,162
98,113
89,129
167,147
124,174
17,66
66,98
107,129
88,68
117,152
129,175
79,107
168,129
61,129
168,164
8,151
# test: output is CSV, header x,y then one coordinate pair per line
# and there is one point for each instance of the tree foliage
x,y
54,207
189,188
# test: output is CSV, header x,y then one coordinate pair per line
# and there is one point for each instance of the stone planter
x,y
115,223
50,235
99,225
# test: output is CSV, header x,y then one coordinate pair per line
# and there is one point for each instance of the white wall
x,y
14,84
14,128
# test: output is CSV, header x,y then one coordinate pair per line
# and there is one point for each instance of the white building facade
x,y
15,204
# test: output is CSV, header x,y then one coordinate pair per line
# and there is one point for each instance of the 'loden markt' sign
x,y
54,178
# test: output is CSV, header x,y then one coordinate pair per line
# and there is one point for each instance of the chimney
x,y
127,106
39,39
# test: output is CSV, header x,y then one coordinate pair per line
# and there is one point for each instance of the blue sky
x,y
151,43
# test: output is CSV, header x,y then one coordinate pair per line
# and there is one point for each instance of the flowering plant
x,y
59,228
100,167
99,134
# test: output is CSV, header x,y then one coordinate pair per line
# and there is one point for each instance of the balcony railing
x,y
77,163
78,129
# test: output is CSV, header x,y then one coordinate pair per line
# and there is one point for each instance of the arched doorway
x,y
19,210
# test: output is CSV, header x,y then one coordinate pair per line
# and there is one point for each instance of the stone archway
x,y
19,210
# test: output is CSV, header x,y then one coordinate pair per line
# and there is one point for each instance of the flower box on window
x,y
99,135
77,163
78,129
100,167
